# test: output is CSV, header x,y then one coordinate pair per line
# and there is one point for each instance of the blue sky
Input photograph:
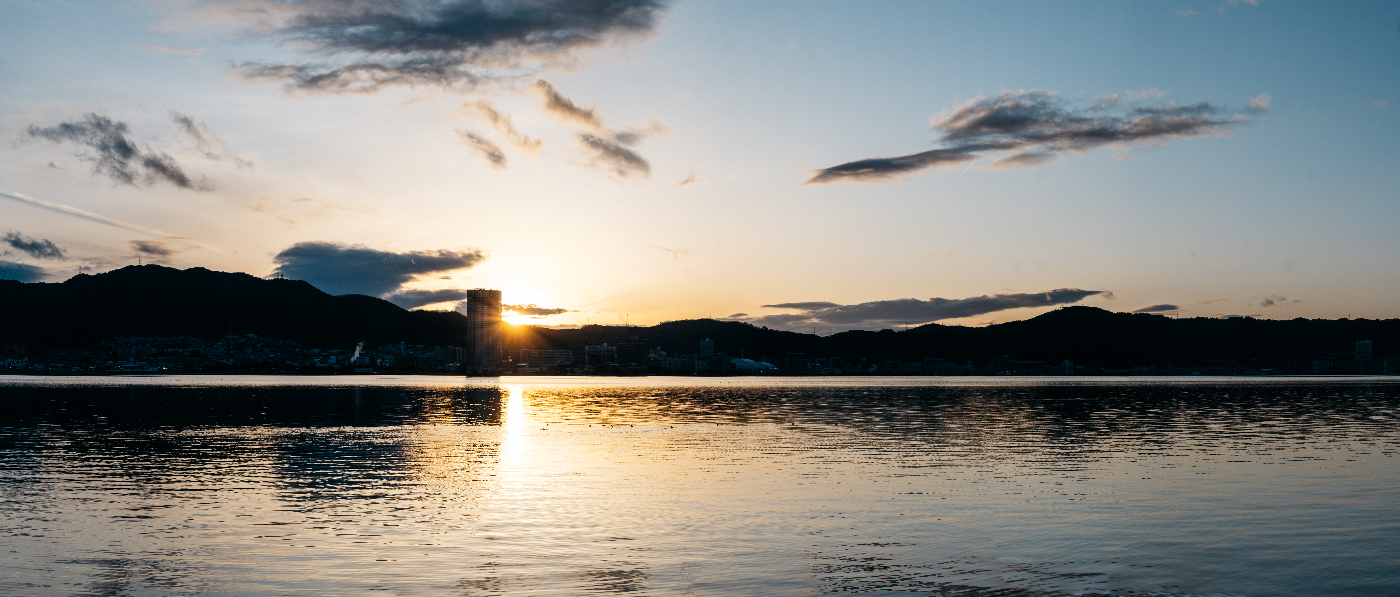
x,y
1280,213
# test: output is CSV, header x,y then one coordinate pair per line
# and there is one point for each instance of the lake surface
x,y
960,487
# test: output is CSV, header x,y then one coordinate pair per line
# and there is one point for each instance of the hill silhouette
x,y
153,300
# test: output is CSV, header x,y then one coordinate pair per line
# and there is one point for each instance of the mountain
x,y
152,300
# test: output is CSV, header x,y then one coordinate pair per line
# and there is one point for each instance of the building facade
x,y
484,351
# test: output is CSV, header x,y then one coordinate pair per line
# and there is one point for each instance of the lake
x,y
967,487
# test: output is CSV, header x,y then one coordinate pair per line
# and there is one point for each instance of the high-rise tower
x,y
483,354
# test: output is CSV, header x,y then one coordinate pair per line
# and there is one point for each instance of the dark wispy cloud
x,y
1158,309
363,46
412,299
340,268
1036,127
155,248
691,179
608,150
485,147
10,270
1274,300
116,156
807,306
535,310
563,108
503,124
38,248
204,140
914,311
614,157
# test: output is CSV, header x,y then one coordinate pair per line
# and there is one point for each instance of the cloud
x,y
117,156
340,268
1260,103
81,213
200,133
808,306
1380,104
676,253
608,150
503,124
535,310
34,247
614,157
412,299
1186,12
1231,315
172,50
1036,127
10,270
915,311
154,248
564,108
485,147
737,315
364,46
1158,309
691,179
1274,300
1211,301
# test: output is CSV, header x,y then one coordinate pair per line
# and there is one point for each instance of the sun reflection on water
x,y
514,442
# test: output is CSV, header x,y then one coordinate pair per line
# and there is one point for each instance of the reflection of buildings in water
x,y
386,436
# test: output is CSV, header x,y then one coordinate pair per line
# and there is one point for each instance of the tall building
x,y
483,353
632,355
707,348
1363,350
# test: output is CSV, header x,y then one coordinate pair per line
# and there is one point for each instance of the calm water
x,y
569,486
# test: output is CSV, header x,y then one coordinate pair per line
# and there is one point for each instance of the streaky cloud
x,y
807,306
81,213
1037,127
535,310
1157,309
615,158
503,124
485,147
915,311
362,46
563,108
200,134
154,248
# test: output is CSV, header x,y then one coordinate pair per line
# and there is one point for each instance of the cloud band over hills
x,y
912,311
1035,127
339,268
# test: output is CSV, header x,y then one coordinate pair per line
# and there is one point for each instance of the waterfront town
x,y
628,356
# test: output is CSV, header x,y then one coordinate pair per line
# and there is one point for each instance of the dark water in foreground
x,y
958,487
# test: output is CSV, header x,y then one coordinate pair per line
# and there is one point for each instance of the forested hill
x,y
152,300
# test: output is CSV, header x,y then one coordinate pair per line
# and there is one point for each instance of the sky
x,y
813,166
